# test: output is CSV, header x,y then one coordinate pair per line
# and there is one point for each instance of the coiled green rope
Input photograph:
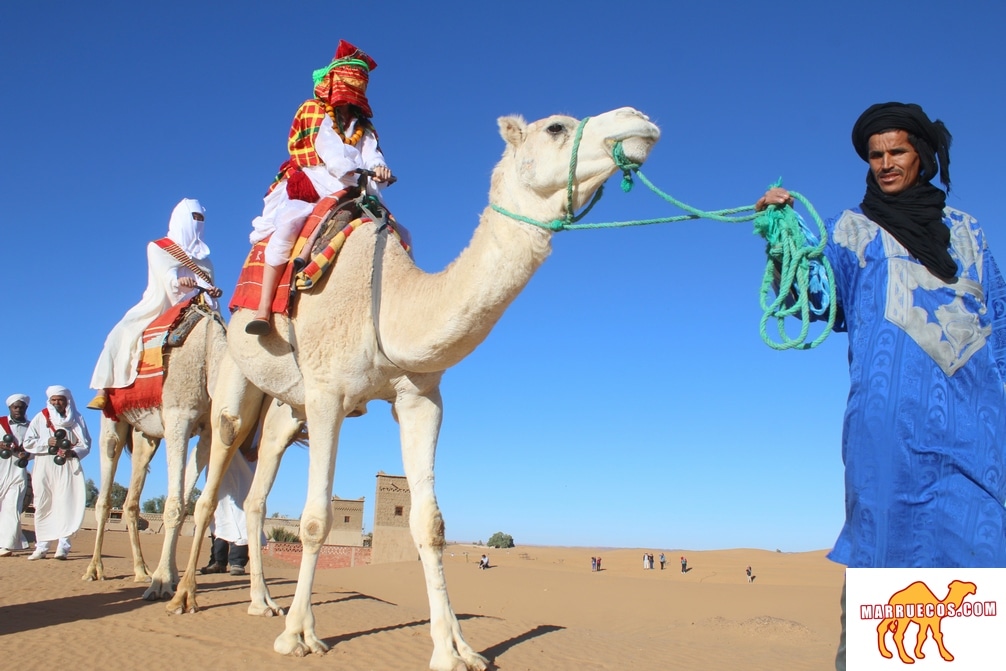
x,y
790,255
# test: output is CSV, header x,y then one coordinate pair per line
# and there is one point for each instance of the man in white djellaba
x,y
59,439
229,528
13,476
177,265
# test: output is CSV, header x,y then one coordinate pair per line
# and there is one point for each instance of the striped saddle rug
x,y
337,225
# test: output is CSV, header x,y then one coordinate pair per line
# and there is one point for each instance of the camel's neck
x,y
450,313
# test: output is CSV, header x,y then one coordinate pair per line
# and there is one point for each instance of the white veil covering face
x,y
186,231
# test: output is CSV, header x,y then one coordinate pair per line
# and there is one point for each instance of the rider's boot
x,y
99,400
260,324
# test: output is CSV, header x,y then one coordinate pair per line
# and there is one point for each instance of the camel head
x,y
531,179
958,590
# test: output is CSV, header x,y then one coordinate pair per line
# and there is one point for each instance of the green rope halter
x,y
788,250
320,73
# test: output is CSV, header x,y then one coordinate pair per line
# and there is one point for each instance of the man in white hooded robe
x,y
59,488
175,272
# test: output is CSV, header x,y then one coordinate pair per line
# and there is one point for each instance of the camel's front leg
x,y
419,414
279,429
143,451
111,440
236,404
938,637
178,425
324,419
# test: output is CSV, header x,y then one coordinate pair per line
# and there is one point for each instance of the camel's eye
x,y
555,129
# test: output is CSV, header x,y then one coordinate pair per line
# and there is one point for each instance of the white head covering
x,y
14,398
185,231
71,408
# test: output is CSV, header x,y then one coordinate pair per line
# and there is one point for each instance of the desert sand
x,y
537,608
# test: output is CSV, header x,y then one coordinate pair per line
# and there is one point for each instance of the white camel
x,y
336,354
190,372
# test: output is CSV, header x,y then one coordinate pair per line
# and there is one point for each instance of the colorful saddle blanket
x,y
145,391
249,287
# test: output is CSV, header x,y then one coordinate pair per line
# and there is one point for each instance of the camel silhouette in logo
x,y
915,595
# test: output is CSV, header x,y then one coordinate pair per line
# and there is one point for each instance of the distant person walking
x,y
684,565
663,560
750,577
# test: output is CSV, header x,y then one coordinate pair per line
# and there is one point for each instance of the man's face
x,y
17,410
59,403
893,161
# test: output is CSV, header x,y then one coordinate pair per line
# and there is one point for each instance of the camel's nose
x,y
631,112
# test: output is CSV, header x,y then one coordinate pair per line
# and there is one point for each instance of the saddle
x,y
181,329
332,221
166,332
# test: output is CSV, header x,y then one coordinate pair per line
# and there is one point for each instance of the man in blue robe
x,y
924,304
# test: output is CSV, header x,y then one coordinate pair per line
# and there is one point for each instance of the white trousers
x,y
62,546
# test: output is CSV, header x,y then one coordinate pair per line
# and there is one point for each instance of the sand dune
x,y
537,608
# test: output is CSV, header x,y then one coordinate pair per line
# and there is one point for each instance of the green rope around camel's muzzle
x,y
790,253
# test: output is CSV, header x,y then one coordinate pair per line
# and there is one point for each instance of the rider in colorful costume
x,y
331,136
177,265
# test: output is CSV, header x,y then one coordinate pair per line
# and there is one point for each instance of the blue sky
x,y
625,399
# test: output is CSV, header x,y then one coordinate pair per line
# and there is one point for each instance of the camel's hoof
x,y
259,610
475,662
92,574
295,645
157,592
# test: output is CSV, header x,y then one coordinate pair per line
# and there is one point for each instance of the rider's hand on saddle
x,y
382,173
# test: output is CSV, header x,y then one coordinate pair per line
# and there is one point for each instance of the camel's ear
x,y
512,129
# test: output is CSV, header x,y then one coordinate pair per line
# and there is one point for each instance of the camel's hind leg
x,y
236,403
882,629
279,428
111,440
419,414
143,451
179,425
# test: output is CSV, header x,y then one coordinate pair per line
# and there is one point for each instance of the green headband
x,y
355,62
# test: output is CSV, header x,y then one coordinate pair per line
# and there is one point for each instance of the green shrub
x,y
500,540
282,535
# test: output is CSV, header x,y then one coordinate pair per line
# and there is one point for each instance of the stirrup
x,y
258,327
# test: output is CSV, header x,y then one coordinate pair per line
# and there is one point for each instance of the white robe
x,y
60,491
286,217
120,357
13,484
229,521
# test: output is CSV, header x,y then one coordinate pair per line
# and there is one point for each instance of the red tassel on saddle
x,y
299,187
